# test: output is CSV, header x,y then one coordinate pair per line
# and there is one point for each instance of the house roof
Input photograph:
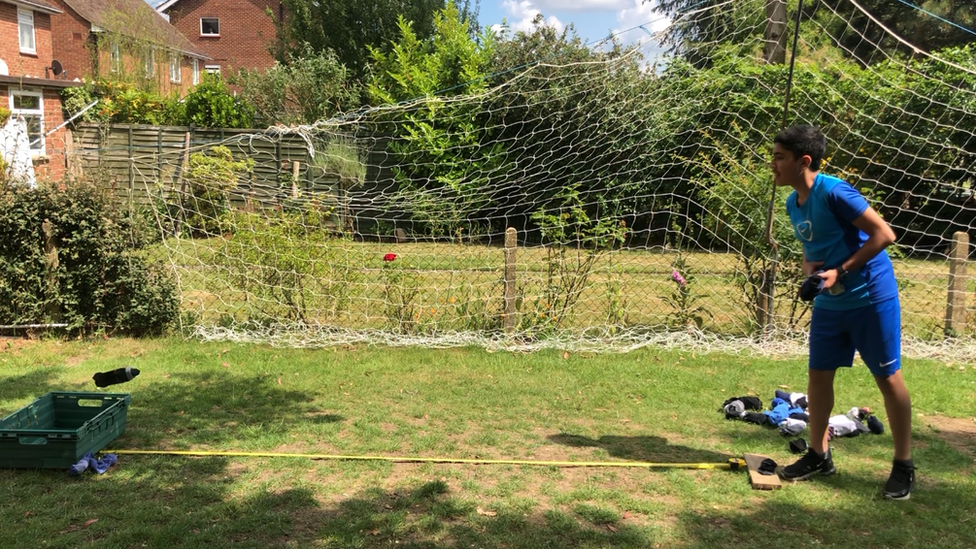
x,y
38,5
134,18
166,5
38,82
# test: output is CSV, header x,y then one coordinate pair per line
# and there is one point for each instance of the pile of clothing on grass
x,y
788,413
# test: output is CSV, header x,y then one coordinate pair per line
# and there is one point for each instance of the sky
x,y
593,20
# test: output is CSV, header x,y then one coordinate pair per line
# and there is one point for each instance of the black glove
x,y
811,287
119,375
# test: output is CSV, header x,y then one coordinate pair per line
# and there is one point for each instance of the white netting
x,y
639,193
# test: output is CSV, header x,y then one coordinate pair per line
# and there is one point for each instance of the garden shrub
x,y
101,279
212,176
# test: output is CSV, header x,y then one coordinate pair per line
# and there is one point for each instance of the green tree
x,y
350,28
441,154
905,19
702,25
573,117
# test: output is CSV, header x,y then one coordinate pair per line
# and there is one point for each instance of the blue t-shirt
x,y
824,224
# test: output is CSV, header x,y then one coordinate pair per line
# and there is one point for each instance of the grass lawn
x,y
647,405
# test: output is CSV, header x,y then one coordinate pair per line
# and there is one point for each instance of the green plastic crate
x,y
56,430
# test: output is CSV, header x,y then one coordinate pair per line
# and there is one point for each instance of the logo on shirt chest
x,y
805,230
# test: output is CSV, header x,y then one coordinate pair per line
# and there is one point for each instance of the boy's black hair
x,y
804,140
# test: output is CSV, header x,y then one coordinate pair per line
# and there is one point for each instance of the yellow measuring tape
x,y
732,464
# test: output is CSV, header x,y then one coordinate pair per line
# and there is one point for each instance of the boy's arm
x,y
880,236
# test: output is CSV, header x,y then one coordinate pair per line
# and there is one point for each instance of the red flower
x,y
389,257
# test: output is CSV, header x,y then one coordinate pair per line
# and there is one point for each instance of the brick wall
x,y
246,31
70,38
24,64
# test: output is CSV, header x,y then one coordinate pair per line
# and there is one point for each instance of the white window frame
x,y
115,54
196,71
214,19
39,149
175,75
212,69
25,24
151,63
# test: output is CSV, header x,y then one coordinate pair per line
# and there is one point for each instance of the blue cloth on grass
x,y
88,461
781,410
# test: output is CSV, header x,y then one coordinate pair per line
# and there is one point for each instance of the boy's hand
x,y
810,267
829,277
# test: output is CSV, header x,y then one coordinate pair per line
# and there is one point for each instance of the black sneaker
x,y
900,483
810,465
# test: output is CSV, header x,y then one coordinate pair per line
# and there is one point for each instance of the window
x,y
25,20
30,105
209,26
116,54
174,67
150,63
196,72
212,69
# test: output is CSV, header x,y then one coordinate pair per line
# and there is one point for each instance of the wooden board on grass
x,y
760,481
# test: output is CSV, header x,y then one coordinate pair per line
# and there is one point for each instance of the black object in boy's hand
x,y
812,286
119,375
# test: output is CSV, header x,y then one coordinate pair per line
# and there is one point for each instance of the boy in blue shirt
x,y
844,240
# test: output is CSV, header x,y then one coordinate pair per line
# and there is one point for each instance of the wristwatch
x,y
841,272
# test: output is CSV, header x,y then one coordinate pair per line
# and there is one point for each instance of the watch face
x,y
836,289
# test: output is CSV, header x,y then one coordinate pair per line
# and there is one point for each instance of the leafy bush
x,y
121,102
299,282
311,86
211,177
98,279
211,105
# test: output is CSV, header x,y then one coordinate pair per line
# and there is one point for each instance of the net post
x,y
511,244
955,317
295,167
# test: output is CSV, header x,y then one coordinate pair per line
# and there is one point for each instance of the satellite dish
x,y
56,67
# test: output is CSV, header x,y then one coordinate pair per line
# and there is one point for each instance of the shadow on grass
x,y
937,515
165,502
642,448
210,408
30,385
192,503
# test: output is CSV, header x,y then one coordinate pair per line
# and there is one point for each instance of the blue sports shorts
x,y
874,331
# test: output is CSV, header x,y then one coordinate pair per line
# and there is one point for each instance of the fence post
x,y
511,244
955,317
51,263
132,166
181,185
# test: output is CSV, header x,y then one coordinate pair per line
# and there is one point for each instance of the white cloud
x,y
637,21
582,5
522,13
642,13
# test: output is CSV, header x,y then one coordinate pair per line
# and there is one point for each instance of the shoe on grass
x,y
901,482
810,465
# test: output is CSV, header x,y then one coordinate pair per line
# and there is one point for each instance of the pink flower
x,y
676,276
389,257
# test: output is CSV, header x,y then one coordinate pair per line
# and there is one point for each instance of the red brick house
x,y
236,34
96,38
28,85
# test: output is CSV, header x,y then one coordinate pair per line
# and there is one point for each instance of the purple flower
x,y
676,276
